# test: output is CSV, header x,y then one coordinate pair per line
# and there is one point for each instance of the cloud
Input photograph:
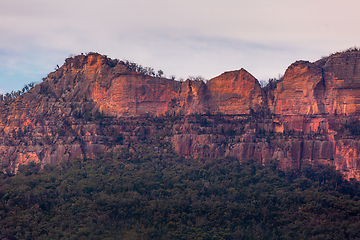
x,y
90,22
21,67
184,37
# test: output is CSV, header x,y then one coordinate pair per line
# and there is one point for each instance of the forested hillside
x,y
150,195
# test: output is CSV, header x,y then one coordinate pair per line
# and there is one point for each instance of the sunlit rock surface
x,y
299,121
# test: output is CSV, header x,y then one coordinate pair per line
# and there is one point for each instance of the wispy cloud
x,y
18,68
187,37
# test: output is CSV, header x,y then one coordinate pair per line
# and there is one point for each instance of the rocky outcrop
x,y
234,93
311,92
342,84
95,104
118,91
329,86
298,93
258,140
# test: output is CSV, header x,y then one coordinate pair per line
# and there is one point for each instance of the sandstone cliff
x,y
311,92
95,104
235,92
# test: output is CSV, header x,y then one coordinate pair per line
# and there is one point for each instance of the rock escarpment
x,y
235,92
115,90
329,86
311,92
95,104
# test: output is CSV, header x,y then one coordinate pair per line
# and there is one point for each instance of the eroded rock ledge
x,y
94,104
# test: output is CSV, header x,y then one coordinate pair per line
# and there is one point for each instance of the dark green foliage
x,y
260,113
349,50
353,126
88,115
111,62
147,71
9,97
151,195
353,49
29,169
349,127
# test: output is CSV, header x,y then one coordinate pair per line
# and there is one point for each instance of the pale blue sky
x,y
183,38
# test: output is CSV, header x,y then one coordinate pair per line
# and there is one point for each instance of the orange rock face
x,y
310,92
329,86
117,91
55,121
342,84
297,93
134,95
235,93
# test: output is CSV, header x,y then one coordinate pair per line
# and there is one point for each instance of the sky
x,y
181,37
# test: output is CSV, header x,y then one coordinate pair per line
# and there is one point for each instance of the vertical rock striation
x,y
306,118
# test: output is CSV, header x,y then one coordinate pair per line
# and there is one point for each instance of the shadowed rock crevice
x,y
319,93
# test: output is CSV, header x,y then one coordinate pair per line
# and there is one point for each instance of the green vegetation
x,y
348,127
9,97
352,127
148,71
158,195
349,50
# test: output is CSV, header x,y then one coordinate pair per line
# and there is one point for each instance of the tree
x,y
197,78
160,73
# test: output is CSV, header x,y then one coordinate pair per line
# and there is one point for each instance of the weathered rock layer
x,y
310,116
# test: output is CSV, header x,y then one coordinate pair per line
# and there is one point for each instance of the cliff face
x,y
298,93
118,91
235,92
342,84
115,90
329,86
95,104
311,93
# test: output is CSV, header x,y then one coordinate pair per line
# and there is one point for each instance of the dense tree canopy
x,y
149,195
